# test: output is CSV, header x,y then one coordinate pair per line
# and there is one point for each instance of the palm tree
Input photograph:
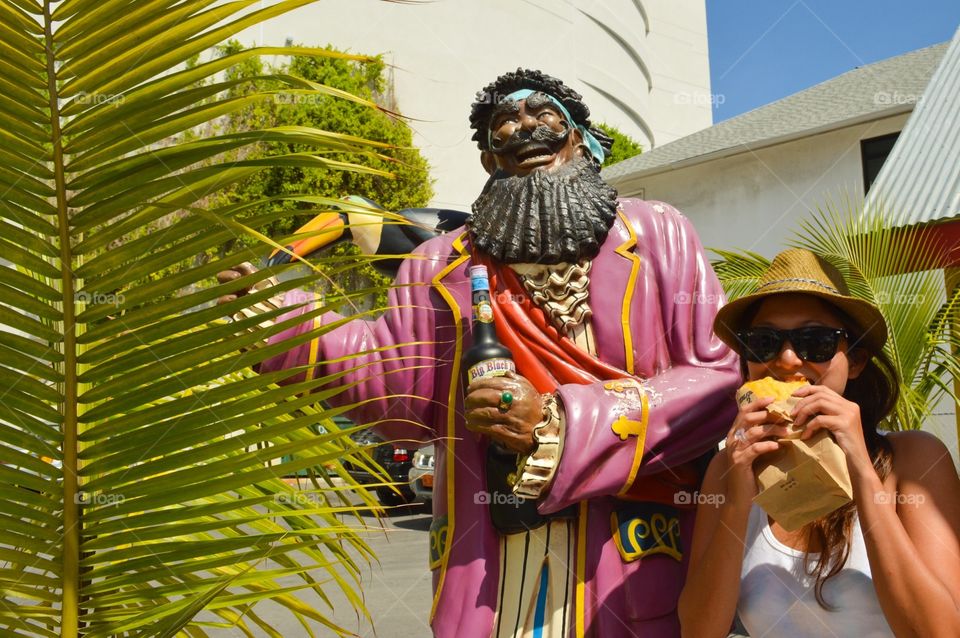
x,y
131,498
895,267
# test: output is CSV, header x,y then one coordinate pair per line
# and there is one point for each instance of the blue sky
x,y
763,50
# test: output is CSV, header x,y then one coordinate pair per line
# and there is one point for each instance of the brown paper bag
x,y
803,480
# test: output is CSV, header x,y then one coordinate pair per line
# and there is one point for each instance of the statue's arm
x,y
612,434
387,369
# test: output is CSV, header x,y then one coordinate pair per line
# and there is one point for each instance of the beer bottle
x,y
487,357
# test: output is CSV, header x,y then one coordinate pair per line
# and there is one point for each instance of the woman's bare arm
x,y
912,537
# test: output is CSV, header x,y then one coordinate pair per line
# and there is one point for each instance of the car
x,y
394,457
421,474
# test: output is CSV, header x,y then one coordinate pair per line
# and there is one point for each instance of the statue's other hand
x,y
227,276
509,424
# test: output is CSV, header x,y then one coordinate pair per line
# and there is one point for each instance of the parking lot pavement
x,y
396,590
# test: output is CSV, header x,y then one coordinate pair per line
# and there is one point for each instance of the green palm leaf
x,y
739,272
140,490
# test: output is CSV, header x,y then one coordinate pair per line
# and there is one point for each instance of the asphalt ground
x,y
396,589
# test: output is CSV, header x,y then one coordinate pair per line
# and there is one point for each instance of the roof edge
x,y
731,151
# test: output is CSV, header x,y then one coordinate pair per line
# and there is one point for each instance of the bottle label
x,y
483,312
490,368
479,279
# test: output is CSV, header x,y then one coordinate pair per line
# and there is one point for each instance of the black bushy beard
x,y
546,217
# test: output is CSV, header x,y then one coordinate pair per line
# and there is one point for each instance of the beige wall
x,y
447,50
754,199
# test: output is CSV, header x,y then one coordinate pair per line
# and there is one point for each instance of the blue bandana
x,y
591,142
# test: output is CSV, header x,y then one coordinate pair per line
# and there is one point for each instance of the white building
x,y
747,182
641,65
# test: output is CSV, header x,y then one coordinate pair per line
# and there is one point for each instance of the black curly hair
x,y
499,89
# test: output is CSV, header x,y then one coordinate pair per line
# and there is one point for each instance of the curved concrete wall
x,y
640,64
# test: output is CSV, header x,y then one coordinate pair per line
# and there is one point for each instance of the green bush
x,y
411,186
624,146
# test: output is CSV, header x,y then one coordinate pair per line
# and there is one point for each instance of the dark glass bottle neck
x,y
483,331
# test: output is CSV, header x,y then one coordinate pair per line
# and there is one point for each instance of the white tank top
x,y
776,594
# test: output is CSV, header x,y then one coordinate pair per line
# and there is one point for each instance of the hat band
x,y
801,280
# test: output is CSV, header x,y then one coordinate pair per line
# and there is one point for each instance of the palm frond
x,y
738,271
142,493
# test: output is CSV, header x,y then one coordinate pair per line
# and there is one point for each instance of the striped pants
x,y
536,589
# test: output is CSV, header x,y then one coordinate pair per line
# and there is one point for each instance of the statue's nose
x,y
528,122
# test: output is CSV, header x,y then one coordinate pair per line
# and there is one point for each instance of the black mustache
x,y
542,134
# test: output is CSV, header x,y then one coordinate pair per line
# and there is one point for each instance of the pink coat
x,y
654,297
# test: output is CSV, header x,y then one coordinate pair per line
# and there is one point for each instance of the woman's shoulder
x,y
916,453
912,443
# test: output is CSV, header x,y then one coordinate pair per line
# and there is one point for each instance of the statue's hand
x,y
226,276
510,426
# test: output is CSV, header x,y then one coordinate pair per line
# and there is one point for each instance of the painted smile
x,y
533,154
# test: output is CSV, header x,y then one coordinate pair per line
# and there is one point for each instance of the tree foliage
x,y
624,146
409,185
403,183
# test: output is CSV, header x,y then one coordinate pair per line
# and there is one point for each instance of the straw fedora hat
x,y
801,271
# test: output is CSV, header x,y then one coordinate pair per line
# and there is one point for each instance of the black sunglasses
x,y
813,343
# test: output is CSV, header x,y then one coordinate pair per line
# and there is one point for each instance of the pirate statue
x,y
567,511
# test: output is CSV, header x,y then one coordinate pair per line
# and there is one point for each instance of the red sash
x,y
545,358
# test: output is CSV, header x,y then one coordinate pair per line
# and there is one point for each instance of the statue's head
x,y
545,201
528,120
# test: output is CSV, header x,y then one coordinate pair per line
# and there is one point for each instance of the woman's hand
x,y
750,437
820,408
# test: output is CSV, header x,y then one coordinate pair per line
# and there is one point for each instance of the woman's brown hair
x,y
876,390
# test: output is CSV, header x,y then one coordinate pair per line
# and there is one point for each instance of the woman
x,y
886,564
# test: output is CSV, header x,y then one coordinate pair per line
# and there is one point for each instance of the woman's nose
x,y
787,358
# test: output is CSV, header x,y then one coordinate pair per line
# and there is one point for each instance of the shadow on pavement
x,y
410,509
419,524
